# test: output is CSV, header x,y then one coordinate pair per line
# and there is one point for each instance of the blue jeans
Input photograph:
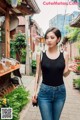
x,y
51,101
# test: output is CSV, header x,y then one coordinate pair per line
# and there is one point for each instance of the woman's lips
x,y
49,43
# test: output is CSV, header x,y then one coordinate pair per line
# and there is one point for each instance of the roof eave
x,y
34,5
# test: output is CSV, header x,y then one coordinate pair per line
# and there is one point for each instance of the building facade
x,y
7,11
61,21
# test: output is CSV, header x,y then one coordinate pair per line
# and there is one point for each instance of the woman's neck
x,y
51,50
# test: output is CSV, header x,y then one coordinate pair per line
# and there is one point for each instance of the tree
x,y
73,33
20,45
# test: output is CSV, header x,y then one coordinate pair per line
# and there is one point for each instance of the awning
x,y
14,22
34,5
27,7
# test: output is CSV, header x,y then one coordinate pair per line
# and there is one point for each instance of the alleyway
x,y
71,109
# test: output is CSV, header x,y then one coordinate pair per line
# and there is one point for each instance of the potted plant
x,y
33,65
76,83
78,70
77,58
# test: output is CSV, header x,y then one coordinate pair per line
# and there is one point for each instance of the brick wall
x,y
75,51
72,49
20,28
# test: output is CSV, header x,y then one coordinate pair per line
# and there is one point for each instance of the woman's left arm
x,y
69,66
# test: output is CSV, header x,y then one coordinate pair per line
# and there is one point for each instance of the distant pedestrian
x,y
53,65
61,47
65,43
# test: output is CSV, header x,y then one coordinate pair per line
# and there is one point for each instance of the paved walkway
x,y
71,109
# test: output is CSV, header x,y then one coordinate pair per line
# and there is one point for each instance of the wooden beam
x,y
3,4
2,10
24,10
14,13
7,34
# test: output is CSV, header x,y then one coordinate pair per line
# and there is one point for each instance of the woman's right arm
x,y
38,73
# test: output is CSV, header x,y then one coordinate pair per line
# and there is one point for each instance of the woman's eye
x,y
52,37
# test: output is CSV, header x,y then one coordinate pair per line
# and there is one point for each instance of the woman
x,y
54,65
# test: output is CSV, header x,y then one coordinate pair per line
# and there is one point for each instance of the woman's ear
x,y
58,40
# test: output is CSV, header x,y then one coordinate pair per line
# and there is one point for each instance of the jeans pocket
x,y
44,89
62,90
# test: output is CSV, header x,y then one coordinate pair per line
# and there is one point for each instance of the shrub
x,y
17,99
33,64
77,57
76,83
78,68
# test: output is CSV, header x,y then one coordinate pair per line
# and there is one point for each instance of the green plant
x,y
23,57
78,45
20,44
12,49
4,102
20,41
18,98
78,68
33,64
72,33
77,57
76,83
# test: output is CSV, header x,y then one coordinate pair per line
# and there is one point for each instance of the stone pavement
x,y
71,109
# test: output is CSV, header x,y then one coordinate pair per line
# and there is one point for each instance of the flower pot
x,y
78,72
78,61
14,3
76,86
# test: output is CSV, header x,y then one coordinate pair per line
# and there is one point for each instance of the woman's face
x,y
51,39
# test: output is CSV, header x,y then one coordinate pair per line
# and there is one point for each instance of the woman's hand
x,y
72,66
34,98
37,37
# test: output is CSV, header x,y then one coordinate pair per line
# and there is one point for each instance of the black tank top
x,y
52,70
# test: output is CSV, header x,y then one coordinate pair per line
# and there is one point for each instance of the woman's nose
x,y
49,39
